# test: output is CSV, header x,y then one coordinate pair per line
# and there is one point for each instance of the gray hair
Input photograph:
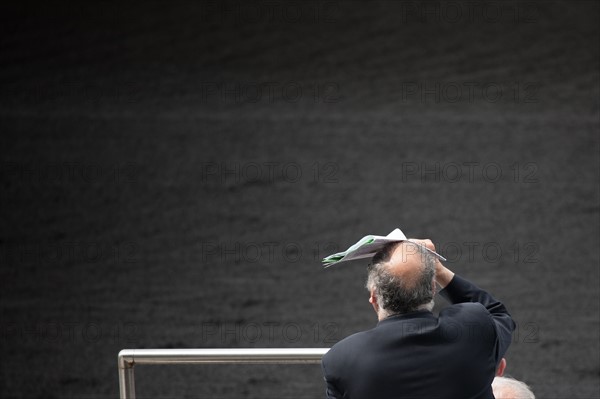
x,y
509,388
396,296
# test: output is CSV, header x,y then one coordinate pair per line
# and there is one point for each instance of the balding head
x,y
509,388
406,263
401,279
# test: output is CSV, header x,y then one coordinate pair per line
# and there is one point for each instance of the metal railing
x,y
128,358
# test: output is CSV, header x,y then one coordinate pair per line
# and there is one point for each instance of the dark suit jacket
x,y
419,355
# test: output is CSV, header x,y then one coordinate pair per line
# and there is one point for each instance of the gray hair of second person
x,y
509,388
394,295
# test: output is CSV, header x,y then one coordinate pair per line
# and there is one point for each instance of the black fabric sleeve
x,y
331,391
460,290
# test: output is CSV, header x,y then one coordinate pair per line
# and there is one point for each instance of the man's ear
x,y
373,301
501,367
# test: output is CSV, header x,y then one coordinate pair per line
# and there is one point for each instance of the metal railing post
x,y
126,375
128,358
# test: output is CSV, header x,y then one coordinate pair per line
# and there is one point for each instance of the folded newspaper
x,y
368,246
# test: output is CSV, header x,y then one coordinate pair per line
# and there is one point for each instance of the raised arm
x,y
459,290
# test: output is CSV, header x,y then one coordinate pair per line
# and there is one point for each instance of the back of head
x,y
509,388
401,275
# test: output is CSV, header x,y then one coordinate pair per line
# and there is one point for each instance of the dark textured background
x,y
152,196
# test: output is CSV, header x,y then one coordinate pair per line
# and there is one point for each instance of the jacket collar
x,y
417,314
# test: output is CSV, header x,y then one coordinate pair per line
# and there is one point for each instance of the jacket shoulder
x,y
347,345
